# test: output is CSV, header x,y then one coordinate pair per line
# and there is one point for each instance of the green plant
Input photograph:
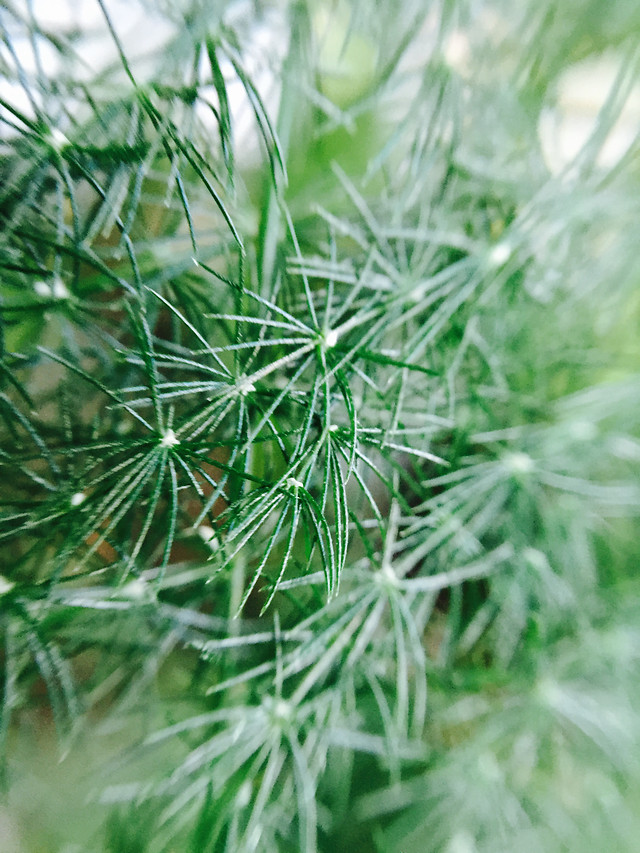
x,y
320,439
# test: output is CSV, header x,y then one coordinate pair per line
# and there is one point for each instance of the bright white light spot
x,y
387,576
58,139
246,387
77,498
334,428
462,842
59,289
537,559
244,795
169,439
500,254
278,710
330,338
457,51
56,289
5,585
282,711
519,463
294,484
136,590
208,536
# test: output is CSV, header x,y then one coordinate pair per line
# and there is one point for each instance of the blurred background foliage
x,y
320,437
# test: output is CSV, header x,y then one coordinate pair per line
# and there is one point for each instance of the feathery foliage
x,y
319,434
